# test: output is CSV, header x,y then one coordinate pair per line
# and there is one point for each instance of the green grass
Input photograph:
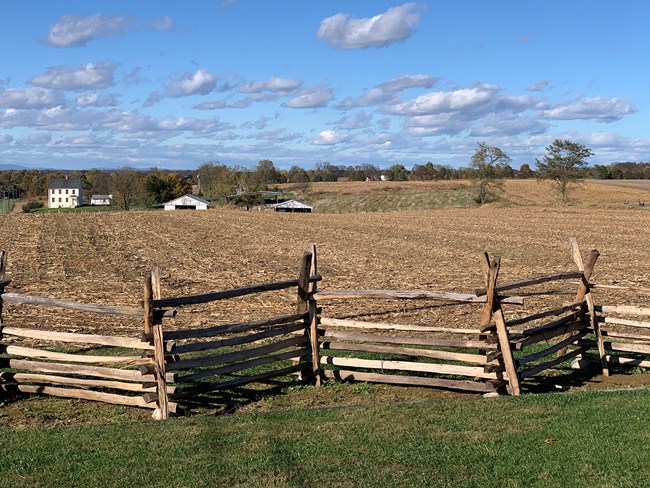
x,y
588,439
7,205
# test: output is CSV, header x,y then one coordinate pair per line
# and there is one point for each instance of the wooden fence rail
x,y
163,367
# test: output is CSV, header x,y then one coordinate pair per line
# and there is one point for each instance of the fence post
x,y
304,300
584,293
313,320
153,332
303,282
493,310
3,281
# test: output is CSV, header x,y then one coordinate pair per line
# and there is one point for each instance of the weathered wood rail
x,y
163,368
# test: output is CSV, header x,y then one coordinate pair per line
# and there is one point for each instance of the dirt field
x,y
103,257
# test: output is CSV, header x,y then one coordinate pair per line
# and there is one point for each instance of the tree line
x,y
564,163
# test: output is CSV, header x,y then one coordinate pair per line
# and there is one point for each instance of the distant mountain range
x,y
10,167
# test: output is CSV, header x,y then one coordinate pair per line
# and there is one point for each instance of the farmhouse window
x,y
53,199
66,199
66,191
59,199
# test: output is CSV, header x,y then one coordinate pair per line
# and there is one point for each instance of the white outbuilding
x,y
187,202
101,200
292,206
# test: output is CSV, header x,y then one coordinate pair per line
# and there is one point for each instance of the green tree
x,y
564,164
177,184
397,172
600,172
218,181
487,164
325,171
99,181
296,174
266,174
525,172
125,184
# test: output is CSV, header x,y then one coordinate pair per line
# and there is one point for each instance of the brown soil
x,y
103,258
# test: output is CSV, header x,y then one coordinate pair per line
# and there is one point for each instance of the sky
x,y
172,84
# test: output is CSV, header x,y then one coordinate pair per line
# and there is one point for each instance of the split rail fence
x,y
164,368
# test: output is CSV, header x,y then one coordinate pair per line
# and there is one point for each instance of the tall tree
x,y
564,163
125,184
525,171
397,172
266,174
487,164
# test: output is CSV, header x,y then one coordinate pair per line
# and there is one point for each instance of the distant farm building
x,y
101,200
292,206
65,193
187,202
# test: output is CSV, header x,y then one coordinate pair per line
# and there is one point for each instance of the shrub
x,y
29,206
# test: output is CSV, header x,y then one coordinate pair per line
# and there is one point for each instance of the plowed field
x,y
103,257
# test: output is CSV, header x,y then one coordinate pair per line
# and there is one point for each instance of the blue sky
x,y
175,84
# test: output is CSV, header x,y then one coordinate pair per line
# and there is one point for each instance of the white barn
x,y
65,193
186,202
292,206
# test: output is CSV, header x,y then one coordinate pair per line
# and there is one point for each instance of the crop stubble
x,y
103,257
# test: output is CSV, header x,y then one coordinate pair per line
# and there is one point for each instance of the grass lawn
x,y
591,439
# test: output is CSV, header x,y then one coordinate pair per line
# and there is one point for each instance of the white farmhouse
x,y
187,202
65,193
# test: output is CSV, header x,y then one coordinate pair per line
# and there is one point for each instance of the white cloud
x,y
77,31
153,98
396,24
539,85
25,98
145,125
313,98
386,92
359,120
373,96
95,99
408,81
81,140
162,23
505,125
273,84
37,138
276,135
439,102
448,123
210,105
329,138
599,109
88,76
5,138
201,82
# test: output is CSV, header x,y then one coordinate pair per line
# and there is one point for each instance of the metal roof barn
x,y
187,202
292,206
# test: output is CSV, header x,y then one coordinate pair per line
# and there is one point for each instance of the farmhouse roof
x,y
175,201
65,183
101,197
292,204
